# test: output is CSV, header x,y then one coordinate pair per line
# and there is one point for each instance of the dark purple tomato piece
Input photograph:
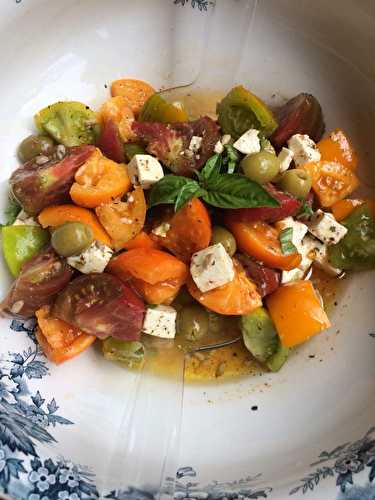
x,y
40,279
110,142
37,186
300,115
266,279
101,305
170,143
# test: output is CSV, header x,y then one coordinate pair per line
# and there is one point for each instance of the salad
x,y
135,222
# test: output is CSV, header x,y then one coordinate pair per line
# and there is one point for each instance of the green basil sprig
x,y
222,190
286,241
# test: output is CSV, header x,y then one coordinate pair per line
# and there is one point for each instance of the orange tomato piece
x,y
149,265
238,297
123,220
163,292
189,231
338,148
118,111
142,240
99,181
342,208
297,312
260,240
59,340
55,215
136,92
331,181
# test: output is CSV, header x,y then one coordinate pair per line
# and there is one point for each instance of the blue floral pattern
x,y
343,463
202,5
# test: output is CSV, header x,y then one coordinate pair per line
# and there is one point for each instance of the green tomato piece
x,y
70,123
356,251
21,243
127,352
277,360
132,149
259,334
241,110
157,109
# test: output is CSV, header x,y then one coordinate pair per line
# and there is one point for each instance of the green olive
x,y
225,237
192,322
261,167
33,146
71,238
296,182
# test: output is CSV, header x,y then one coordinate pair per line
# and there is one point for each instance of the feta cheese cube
x,y
292,275
160,321
299,230
285,158
249,142
304,149
162,230
219,148
93,260
226,139
195,143
326,228
145,170
211,268
322,262
24,219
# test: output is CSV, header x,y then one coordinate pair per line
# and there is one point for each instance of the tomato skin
x,y
101,305
110,142
38,186
289,206
266,279
40,279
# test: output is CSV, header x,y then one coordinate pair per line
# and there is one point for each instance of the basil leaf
x,y
237,191
211,168
191,190
232,158
167,189
286,243
305,211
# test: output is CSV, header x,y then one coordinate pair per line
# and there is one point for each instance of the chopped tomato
x,y
261,241
331,181
136,92
123,220
99,181
55,215
150,265
118,111
297,312
59,340
189,231
342,208
235,298
163,292
338,148
142,240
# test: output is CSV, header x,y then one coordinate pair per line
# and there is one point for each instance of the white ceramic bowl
x,y
63,429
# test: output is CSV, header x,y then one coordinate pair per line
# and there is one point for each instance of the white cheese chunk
x,y
211,268
299,230
304,149
226,139
160,321
307,250
93,260
24,219
162,230
145,170
195,143
248,143
292,275
326,228
219,148
285,158
322,262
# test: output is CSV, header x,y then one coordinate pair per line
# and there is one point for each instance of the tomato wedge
x,y
338,148
189,231
238,297
59,340
142,240
136,92
261,241
149,265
